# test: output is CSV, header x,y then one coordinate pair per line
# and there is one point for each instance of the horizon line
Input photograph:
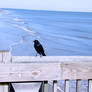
x,y
49,10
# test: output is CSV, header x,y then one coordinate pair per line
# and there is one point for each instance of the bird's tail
x,y
43,54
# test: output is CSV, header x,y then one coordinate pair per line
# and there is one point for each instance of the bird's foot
x,y
36,55
40,55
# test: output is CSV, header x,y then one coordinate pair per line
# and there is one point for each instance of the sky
x,y
56,5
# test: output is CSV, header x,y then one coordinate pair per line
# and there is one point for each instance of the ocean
x,y
60,33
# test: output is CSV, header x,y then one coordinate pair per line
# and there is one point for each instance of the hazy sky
x,y
61,5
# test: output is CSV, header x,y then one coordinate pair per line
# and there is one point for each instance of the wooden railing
x,y
50,69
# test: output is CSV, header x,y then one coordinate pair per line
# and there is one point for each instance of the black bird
x,y
38,47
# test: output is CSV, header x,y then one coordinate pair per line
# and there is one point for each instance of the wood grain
x,y
29,72
44,71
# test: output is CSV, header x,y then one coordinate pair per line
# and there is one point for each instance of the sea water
x,y
60,33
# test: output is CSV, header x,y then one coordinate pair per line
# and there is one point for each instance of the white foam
x,y
22,38
18,20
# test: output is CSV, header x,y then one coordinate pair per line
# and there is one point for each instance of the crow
x,y
38,47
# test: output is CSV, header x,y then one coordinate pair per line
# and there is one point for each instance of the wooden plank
x,y
90,85
67,86
44,71
61,86
2,53
4,87
29,72
55,86
78,85
1,87
1,57
76,70
51,59
45,86
4,57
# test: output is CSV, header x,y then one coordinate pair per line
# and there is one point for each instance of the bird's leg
x,y
36,55
40,55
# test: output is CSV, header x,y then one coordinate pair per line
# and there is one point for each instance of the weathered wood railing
x,y
50,69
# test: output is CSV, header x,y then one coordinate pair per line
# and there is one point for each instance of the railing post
x,y
90,85
67,86
78,85
5,57
46,87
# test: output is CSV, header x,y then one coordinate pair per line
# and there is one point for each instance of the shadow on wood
x,y
11,89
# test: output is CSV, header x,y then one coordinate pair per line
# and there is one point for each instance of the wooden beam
x,y
45,71
6,57
78,85
51,59
29,72
90,85
67,86
76,70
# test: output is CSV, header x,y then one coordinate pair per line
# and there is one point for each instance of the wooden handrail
x,y
49,68
29,68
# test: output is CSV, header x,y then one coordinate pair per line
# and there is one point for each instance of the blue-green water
x,y
60,33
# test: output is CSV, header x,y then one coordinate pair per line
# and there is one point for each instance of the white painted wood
x,y
90,85
78,85
6,87
55,86
51,59
4,58
67,86
29,72
44,71
45,87
1,57
76,70
1,88
44,68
